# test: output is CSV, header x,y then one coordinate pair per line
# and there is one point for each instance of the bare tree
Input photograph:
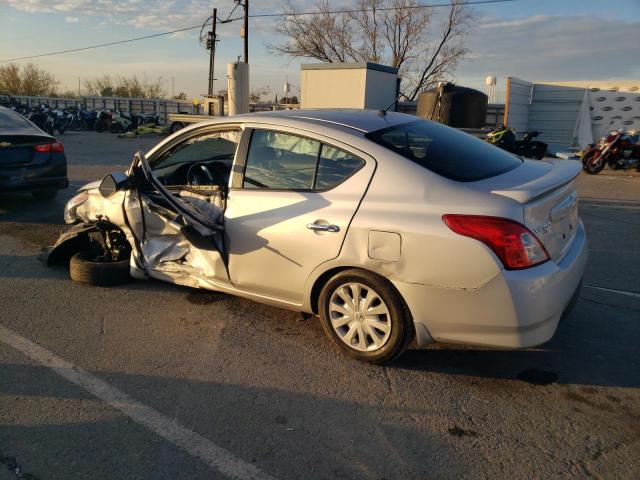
x,y
99,86
400,33
121,86
26,80
257,93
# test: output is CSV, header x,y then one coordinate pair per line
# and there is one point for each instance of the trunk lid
x,y
18,150
546,190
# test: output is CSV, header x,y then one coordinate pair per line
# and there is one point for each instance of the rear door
x,y
289,209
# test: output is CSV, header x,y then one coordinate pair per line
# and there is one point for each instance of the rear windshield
x,y
448,152
10,120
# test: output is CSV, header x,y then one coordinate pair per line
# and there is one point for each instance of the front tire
x,y
365,317
592,162
84,267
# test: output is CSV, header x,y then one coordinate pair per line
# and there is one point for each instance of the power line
x,y
102,44
362,10
257,15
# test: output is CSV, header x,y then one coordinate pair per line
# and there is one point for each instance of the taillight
x,y
610,138
514,244
54,147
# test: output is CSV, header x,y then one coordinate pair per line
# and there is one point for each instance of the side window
x,y
200,160
334,167
280,161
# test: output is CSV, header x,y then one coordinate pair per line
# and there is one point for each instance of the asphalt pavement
x,y
150,380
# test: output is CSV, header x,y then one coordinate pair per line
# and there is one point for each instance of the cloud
x,y
146,14
552,48
72,19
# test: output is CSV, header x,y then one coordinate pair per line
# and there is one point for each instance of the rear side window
x,y
443,150
282,161
335,166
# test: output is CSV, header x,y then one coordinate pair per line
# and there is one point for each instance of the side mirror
x,y
113,182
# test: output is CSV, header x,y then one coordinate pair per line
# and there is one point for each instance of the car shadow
x,y
596,345
23,208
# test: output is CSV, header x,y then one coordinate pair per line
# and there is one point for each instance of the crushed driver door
x,y
176,210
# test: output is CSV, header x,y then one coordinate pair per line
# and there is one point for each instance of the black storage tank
x,y
458,107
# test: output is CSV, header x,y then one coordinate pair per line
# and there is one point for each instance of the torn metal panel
x,y
173,249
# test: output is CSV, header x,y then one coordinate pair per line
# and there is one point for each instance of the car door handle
x,y
321,227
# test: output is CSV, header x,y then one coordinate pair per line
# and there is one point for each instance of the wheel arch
x,y
320,282
324,277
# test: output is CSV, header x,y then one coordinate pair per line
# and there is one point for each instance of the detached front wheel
x,y
87,267
365,316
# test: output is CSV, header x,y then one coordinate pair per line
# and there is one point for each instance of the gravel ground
x,y
267,387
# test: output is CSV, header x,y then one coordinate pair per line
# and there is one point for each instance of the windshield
x,y
446,151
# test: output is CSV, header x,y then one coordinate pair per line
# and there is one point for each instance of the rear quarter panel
x,y
406,199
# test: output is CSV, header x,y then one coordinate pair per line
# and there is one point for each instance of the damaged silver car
x,y
391,229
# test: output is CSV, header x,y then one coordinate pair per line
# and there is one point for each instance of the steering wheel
x,y
199,174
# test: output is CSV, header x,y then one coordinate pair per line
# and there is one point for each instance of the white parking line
x,y
169,429
613,290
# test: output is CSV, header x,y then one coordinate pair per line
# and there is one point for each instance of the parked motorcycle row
x,y
53,120
620,149
505,138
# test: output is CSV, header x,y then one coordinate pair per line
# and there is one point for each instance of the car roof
x,y
12,123
359,119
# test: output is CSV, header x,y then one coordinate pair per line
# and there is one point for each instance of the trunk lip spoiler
x,y
562,173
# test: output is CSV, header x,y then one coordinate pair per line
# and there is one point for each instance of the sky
x,y
531,39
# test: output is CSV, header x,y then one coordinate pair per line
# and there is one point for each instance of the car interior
x,y
197,171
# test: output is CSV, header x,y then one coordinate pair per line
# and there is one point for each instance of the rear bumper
x,y
51,175
516,309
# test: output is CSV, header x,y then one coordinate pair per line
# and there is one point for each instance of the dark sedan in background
x,y
30,160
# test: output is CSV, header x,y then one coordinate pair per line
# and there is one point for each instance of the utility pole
x,y
211,45
246,31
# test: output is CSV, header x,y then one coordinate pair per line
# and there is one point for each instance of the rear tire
x,y
44,194
391,324
84,268
592,162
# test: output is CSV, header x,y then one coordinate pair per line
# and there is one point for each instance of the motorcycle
x,y
103,121
505,138
121,122
75,118
619,148
56,120
143,118
38,116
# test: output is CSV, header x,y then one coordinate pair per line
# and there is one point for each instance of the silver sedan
x,y
392,230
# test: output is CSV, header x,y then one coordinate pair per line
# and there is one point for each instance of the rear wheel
x,y
365,317
87,267
175,126
592,162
